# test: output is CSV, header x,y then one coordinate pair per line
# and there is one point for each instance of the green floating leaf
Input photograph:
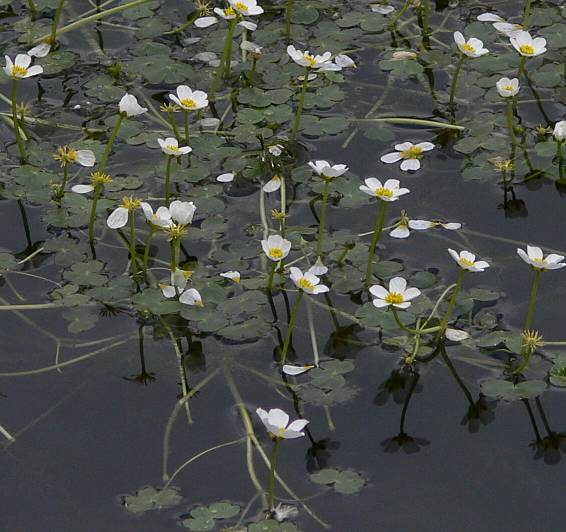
x,y
347,482
86,273
557,374
500,389
271,525
150,498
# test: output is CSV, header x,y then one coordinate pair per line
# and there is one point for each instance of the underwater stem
x,y
292,322
272,466
379,221
19,140
106,154
299,112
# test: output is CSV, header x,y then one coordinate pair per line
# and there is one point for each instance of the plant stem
x,y
290,6
299,112
272,466
322,222
455,82
560,158
527,15
292,322
220,67
393,24
379,222
97,192
452,303
406,403
187,127
133,256
32,9
401,324
426,20
108,150
175,248
56,19
271,274
190,20
228,60
174,125
168,180
509,112
19,140
61,191
147,249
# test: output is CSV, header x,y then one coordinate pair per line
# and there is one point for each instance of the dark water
x,y
88,434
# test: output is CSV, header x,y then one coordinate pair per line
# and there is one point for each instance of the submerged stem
x,y
292,322
272,466
56,19
455,83
322,222
92,220
111,140
299,112
168,180
379,222
19,139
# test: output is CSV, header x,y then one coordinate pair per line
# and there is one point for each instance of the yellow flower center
x,y
276,253
469,48
131,203
387,192
305,284
414,152
229,12
466,262
509,88
19,71
311,59
394,298
527,49
100,178
172,148
66,155
190,104
176,231
241,6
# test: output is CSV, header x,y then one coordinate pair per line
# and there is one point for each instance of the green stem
x,y
560,158
32,9
220,67
455,82
252,71
426,20
527,15
393,24
190,20
271,274
228,59
322,222
290,6
152,230
133,256
532,301
174,125
61,191
299,112
175,249
272,466
168,180
187,128
379,222
56,19
452,303
401,324
509,112
292,322
19,140
97,192
108,150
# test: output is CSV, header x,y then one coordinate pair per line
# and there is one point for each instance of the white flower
x,y
308,282
248,25
246,7
225,178
507,87
421,225
560,131
403,55
233,275
161,218
317,62
276,150
325,170
318,268
85,158
179,279
456,335
226,14
182,212
500,24
398,294
277,424
285,511
410,154
276,247
191,297
82,189
205,22
382,9
118,218
130,107
188,99
170,146
472,48
344,61
41,50
20,68
389,191
538,261
296,370
526,45
467,261
273,184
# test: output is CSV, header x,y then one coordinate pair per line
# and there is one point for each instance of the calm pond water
x,y
90,435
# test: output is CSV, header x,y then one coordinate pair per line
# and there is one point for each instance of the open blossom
x,y
409,153
345,61
559,131
170,146
398,294
130,107
188,99
307,282
273,184
20,67
119,217
41,50
159,218
182,212
316,62
276,247
403,229
318,268
178,286
389,191
467,261
289,369
538,261
277,424
232,275
507,87
97,179
327,171
246,7
236,9
472,47
500,24
68,155
524,43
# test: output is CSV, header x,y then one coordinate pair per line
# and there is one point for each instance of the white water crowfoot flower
x,y
96,179
160,218
182,212
130,107
403,229
41,50
289,369
20,67
472,47
276,247
120,216
409,153
170,146
389,191
538,261
467,261
273,184
246,7
188,99
507,88
315,62
559,131
232,275
327,171
66,155
500,24
190,296
318,268
282,512
277,424
307,282
398,294
524,43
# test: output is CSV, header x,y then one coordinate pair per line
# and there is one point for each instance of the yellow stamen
x,y
100,178
276,253
172,148
527,49
241,6
229,12
394,298
469,48
466,262
19,71
311,59
66,155
131,203
387,192
509,88
305,284
190,104
414,152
